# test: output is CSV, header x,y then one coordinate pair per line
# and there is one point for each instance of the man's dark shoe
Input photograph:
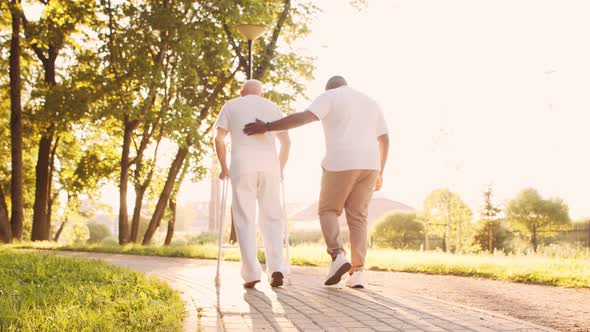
x,y
276,279
251,284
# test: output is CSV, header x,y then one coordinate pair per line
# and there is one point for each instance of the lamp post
x,y
251,32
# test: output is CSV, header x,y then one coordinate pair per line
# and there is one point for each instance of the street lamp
x,y
251,32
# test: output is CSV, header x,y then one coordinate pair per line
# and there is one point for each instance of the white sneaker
x,y
356,280
338,268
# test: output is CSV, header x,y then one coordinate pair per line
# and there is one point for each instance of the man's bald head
x,y
252,87
335,82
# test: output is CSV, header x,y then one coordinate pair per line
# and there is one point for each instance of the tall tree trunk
x,y
171,222
40,230
48,57
124,180
5,231
136,219
172,203
51,197
16,126
63,224
142,186
60,230
165,195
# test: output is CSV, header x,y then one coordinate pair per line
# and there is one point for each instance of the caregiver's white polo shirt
x,y
352,122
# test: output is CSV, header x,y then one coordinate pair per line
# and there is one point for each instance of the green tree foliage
x,y
399,230
529,212
446,213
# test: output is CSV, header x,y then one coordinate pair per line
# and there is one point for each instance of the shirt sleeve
x,y
321,106
223,119
381,123
278,113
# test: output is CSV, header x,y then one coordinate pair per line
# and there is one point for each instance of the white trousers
x,y
264,188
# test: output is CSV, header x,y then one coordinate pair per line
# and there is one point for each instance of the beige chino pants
x,y
351,191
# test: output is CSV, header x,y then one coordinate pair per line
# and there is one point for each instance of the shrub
x,y
305,236
203,238
501,235
399,230
110,241
180,242
97,232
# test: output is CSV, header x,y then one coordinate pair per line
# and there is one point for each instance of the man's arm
x,y
289,122
220,148
285,146
383,152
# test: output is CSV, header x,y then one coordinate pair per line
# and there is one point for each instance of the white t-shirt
x,y
255,153
352,122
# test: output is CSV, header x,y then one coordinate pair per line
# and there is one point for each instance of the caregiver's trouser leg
x,y
352,191
263,187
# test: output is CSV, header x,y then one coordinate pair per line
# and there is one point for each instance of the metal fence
x,y
576,235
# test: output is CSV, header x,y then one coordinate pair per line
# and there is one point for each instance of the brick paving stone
x,y
304,304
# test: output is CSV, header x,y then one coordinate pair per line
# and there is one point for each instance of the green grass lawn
x,y
41,292
538,269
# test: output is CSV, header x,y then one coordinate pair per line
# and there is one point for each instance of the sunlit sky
x,y
475,93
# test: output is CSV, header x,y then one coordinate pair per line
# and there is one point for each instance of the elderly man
x,y
356,151
255,174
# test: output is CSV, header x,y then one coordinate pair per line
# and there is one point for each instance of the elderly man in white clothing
x,y
255,173
357,144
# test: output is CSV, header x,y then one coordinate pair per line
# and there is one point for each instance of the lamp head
x,y
251,31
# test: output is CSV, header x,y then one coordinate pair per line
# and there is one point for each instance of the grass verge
x,y
536,269
40,292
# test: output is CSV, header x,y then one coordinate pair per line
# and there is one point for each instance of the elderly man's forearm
x,y
220,149
292,121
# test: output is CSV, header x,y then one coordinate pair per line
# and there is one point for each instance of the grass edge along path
x,y
531,269
42,292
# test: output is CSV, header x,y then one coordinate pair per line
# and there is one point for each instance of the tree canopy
x,y
105,84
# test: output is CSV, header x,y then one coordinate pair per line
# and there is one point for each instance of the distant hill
x,y
377,208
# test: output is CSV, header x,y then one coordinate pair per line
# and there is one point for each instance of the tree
x,y
399,230
490,212
495,229
47,38
16,125
530,212
445,208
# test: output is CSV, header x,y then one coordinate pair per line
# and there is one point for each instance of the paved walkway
x,y
305,304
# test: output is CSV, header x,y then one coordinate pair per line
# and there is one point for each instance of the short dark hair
x,y
335,81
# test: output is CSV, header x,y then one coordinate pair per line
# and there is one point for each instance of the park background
x,y
486,103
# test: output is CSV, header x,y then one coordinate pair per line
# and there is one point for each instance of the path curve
x,y
305,304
